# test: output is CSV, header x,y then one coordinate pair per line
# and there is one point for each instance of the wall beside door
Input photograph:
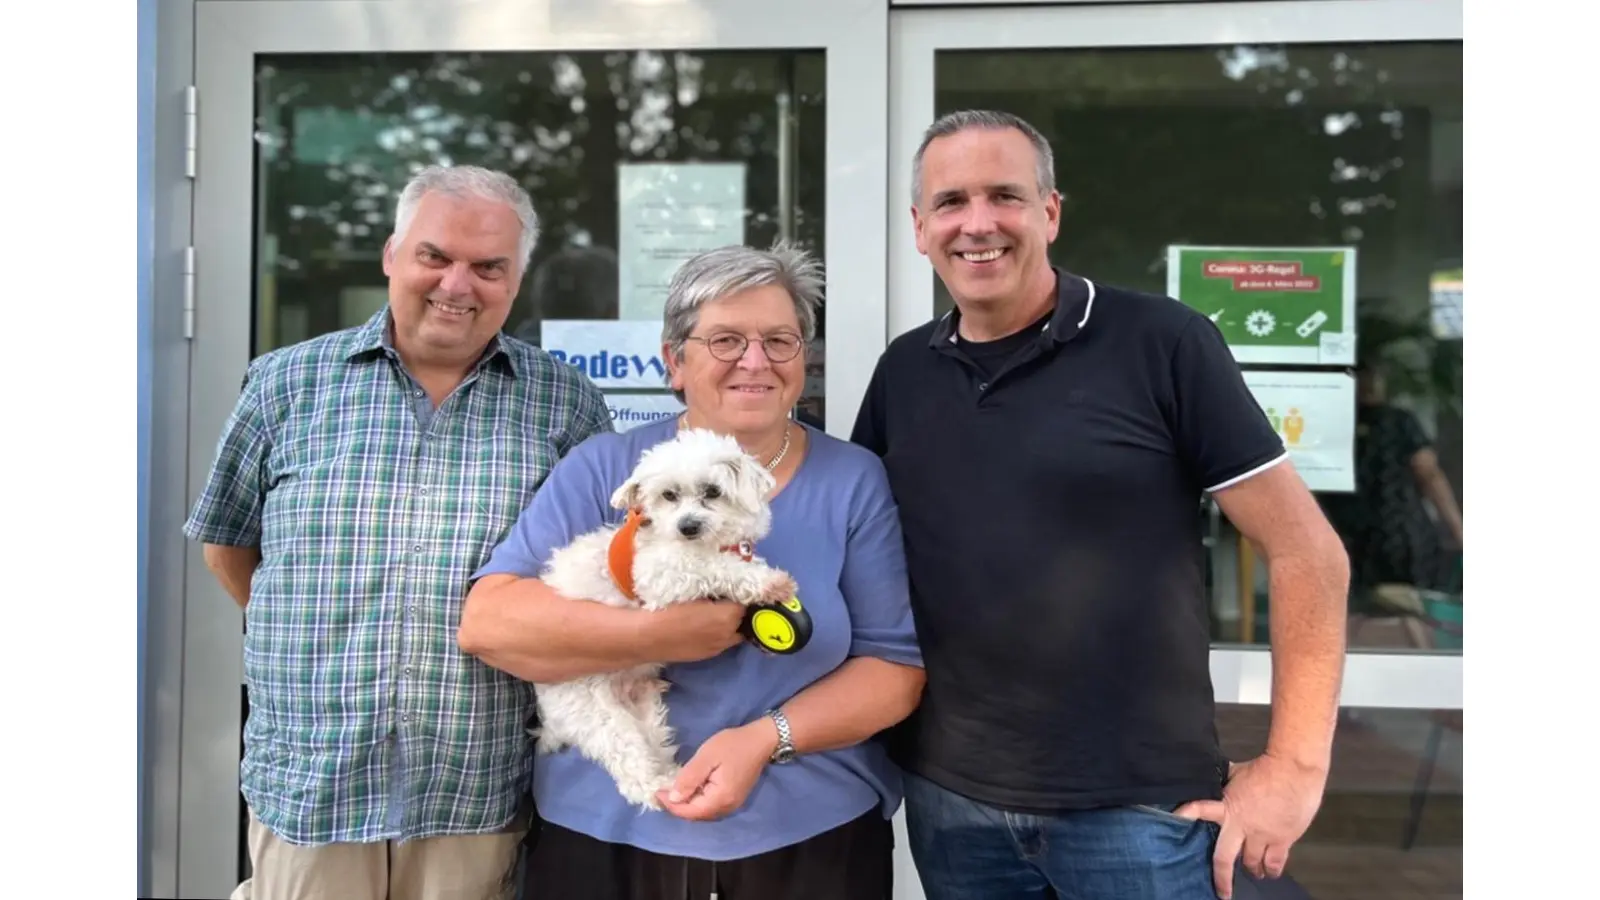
x,y
165,68
145,235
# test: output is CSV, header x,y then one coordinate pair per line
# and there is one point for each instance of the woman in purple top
x,y
783,793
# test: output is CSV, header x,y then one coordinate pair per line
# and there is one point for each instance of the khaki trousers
x,y
466,867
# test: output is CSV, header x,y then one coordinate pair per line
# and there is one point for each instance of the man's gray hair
x,y
471,181
726,271
988,120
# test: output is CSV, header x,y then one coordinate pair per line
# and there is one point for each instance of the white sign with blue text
x,y
632,410
625,354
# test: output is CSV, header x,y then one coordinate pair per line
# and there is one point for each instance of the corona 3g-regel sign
x,y
614,354
1273,305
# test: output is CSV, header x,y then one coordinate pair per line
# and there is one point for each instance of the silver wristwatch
x,y
785,752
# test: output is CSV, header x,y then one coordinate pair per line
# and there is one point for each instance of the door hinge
x,y
191,131
188,293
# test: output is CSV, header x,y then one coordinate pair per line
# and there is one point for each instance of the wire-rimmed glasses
x,y
730,346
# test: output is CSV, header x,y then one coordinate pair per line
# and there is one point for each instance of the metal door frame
x,y
230,34
878,285
916,35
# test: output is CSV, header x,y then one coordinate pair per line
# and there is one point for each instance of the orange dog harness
x,y
619,556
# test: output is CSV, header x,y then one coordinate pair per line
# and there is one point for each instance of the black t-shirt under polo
x,y
1051,505
992,356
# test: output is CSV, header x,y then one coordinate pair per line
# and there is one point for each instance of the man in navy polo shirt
x,y
1049,442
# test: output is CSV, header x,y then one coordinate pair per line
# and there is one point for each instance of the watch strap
x,y
785,749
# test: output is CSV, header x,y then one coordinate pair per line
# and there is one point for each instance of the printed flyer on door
x,y
1315,414
1275,306
667,213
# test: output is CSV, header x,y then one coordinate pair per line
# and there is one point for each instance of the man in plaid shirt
x,y
361,479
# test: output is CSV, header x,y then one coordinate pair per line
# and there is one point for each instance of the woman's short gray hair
x,y
471,181
726,271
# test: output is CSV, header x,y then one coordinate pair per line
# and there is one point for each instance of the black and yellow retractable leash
x,y
781,628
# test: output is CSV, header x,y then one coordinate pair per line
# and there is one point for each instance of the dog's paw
x,y
778,589
643,791
669,775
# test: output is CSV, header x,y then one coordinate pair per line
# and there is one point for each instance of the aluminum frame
x,y
168,359
916,36
230,34
879,286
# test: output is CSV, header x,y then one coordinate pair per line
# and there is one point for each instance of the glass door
x,y
1258,126
311,116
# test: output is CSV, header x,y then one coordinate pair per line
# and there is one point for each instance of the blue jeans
x,y
965,850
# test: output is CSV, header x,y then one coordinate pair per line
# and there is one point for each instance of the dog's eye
x,y
670,496
712,492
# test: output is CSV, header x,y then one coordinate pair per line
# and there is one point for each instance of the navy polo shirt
x,y
1049,485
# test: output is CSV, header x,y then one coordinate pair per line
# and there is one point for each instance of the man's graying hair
x,y
988,120
470,181
726,271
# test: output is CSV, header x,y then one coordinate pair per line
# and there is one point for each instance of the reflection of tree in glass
x,y
1284,145
338,136
1373,105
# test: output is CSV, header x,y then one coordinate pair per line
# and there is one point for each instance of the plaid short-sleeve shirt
x,y
372,510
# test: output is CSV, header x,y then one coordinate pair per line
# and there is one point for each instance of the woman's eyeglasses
x,y
730,347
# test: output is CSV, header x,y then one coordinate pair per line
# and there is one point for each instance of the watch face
x,y
783,755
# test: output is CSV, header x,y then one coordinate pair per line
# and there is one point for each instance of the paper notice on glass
x,y
1315,414
668,212
632,410
1273,305
625,354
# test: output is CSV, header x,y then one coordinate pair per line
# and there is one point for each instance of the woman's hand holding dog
x,y
690,632
721,774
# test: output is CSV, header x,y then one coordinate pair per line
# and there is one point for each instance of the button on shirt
x,y
372,508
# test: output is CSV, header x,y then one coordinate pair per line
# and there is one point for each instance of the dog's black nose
x,y
690,528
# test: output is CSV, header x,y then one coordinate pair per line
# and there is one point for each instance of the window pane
x,y
1390,823
338,135
1265,146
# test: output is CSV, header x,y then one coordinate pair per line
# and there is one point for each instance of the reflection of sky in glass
x,y
407,120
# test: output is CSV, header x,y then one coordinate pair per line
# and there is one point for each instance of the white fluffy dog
x,y
696,506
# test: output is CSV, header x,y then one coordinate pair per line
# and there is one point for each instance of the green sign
x,y
1274,305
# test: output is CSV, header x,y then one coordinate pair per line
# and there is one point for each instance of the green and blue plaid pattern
x,y
366,720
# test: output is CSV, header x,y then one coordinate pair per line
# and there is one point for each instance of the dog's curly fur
x,y
698,494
